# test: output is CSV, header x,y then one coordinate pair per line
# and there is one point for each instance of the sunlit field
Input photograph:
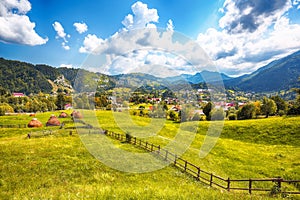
x,y
55,164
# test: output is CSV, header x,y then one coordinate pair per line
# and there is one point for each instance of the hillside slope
x,y
18,76
279,75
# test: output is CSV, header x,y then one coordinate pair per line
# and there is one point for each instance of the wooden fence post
x,y
250,186
279,180
134,140
158,149
228,184
185,165
211,180
146,145
151,147
175,159
198,174
167,152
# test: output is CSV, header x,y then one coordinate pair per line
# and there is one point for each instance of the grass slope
x,y
58,166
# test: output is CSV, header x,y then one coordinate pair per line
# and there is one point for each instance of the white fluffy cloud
x,y
66,65
15,25
140,47
170,26
251,36
91,44
61,34
60,31
65,46
297,3
142,17
80,27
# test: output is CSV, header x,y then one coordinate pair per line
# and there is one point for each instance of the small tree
x,y
207,109
247,111
268,107
281,104
217,114
60,101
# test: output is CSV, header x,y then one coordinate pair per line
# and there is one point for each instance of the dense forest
x,y
18,76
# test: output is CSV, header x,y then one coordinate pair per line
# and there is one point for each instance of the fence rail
x,y
204,176
13,125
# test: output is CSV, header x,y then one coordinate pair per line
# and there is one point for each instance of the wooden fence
x,y
276,185
13,125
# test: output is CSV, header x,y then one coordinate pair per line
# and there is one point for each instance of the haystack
x,y
34,123
53,121
76,114
63,115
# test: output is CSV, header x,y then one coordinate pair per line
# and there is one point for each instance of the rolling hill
x,y
278,75
16,76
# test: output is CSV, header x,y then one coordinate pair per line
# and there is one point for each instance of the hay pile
x,y
63,115
76,115
34,123
53,121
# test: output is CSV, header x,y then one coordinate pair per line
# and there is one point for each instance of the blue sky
x,y
237,36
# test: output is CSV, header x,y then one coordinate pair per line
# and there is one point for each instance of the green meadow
x,y
53,164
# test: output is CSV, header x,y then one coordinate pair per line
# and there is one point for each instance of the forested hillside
x,y
18,76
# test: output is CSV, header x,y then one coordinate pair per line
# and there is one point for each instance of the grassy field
x,y
57,165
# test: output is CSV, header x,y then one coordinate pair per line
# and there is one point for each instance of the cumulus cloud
x,y
297,3
156,62
170,26
61,34
250,15
80,27
65,46
60,31
136,50
252,33
15,25
66,65
142,17
141,47
91,44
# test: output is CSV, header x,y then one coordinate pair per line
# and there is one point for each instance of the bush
x,y
281,113
294,110
203,118
5,108
171,114
196,117
232,117
248,111
109,107
217,114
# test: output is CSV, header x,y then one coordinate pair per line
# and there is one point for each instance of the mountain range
x,y
17,76
281,74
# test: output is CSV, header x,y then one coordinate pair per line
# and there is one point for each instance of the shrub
x,y
109,107
232,116
281,113
294,110
217,114
248,111
5,108
172,115
196,117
